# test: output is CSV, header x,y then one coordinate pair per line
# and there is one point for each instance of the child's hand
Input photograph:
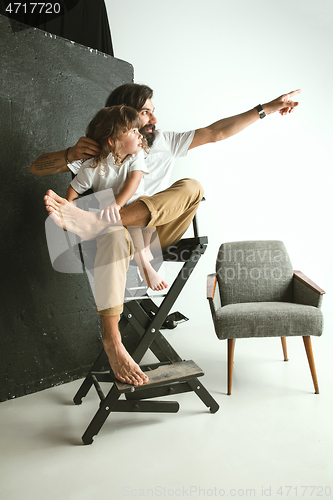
x,y
111,213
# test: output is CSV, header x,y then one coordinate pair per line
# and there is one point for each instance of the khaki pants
x,y
171,212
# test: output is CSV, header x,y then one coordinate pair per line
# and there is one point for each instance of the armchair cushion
x,y
267,319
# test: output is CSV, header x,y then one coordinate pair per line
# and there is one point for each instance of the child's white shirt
x,y
108,175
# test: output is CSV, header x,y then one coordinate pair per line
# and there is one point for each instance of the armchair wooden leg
x,y
309,353
284,348
231,350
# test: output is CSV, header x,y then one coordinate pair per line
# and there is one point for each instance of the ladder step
x,y
164,375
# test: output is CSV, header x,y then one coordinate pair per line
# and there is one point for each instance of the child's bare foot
x,y
149,275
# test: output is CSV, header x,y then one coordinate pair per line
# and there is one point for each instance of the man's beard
x,y
150,136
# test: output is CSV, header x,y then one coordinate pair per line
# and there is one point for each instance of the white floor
x,y
271,438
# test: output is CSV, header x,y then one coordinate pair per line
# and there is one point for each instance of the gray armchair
x,y
256,293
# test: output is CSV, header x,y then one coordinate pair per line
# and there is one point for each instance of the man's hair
x,y
111,122
130,94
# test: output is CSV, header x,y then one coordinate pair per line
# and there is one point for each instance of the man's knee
x,y
192,188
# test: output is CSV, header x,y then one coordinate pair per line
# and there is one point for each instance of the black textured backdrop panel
x,y
83,21
49,90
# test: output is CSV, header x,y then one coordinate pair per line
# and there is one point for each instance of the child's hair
x,y
110,123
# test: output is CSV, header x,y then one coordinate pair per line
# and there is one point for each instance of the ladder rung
x,y
164,375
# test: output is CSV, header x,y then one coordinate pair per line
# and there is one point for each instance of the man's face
x,y
148,121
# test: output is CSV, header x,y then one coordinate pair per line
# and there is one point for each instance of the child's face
x,y
129,142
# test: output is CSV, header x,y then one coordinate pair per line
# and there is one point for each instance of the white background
x,y
207,60
212,59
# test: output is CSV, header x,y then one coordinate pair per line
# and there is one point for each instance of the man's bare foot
x,y
148,273
123,366
66,215
86,224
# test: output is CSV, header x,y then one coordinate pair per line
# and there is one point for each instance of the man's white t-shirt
x,y
167,147
108,175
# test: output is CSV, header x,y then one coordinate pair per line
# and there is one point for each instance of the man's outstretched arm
x,y
227,127
55,163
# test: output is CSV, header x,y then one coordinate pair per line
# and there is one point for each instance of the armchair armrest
x,y
211,285
213,294
306,291
304,279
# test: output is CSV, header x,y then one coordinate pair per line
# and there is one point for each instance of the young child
x,y
120,166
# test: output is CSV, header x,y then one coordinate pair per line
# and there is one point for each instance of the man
x,y
169,210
